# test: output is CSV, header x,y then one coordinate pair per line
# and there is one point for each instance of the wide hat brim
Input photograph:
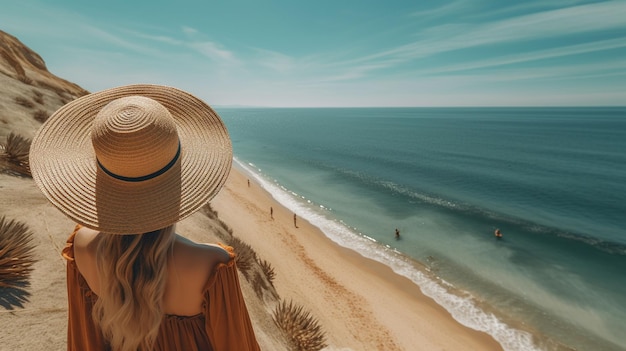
x,y
64,166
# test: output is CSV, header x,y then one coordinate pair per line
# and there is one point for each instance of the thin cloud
x,y
579,19
156,38
275,61
206,48
116,40
87,30
352,73
443,10
575,71
529,6
188,30
210,49
538,26
80,31
213,51
609,44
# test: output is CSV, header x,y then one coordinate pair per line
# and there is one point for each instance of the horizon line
x,y
433,106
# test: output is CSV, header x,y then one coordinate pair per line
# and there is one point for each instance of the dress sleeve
x,y
82,334
227,322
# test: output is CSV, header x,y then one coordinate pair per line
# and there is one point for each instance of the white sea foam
x,y
463,308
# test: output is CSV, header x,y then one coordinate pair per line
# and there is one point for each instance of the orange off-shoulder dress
x,y
224,323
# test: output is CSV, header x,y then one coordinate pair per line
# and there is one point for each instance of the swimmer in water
x,y
498,234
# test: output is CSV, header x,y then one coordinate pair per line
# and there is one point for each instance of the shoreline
x,y
359,302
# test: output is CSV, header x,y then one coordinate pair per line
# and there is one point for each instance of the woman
x,y
126,164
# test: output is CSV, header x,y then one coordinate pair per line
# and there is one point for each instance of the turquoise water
x,y
552,179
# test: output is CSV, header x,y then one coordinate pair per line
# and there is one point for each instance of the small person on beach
x,y
127,164
271,212
397,234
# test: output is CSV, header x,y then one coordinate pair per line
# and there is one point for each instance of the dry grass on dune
x,y
39,114
246,256
268,270
303,331
16,262
14,155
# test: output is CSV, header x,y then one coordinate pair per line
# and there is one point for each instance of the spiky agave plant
x,y
302,330
268,270
16,253
14,155
245,256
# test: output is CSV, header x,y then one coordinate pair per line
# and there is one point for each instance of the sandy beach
x,y
361,304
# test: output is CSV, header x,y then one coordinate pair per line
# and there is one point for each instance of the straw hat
x,y
131,159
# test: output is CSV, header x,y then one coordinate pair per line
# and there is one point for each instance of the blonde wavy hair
x,y
132,272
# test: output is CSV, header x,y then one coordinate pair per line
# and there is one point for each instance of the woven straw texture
x,y
64,164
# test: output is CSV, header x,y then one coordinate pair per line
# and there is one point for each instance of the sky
x,y
337,53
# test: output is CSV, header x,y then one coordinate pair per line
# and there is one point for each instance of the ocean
x,y
553,180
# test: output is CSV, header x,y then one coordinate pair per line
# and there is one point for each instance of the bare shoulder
x,y
85,247
85,241
221,254
199,254
84,236
191,267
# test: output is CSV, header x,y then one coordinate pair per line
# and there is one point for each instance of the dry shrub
x,y
14,155
58,90
246,256
25,80
38,98
13,63
262,287
16,253
259,285
301,329
209,211
41,115
225,226
268,270
24,102
212,214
